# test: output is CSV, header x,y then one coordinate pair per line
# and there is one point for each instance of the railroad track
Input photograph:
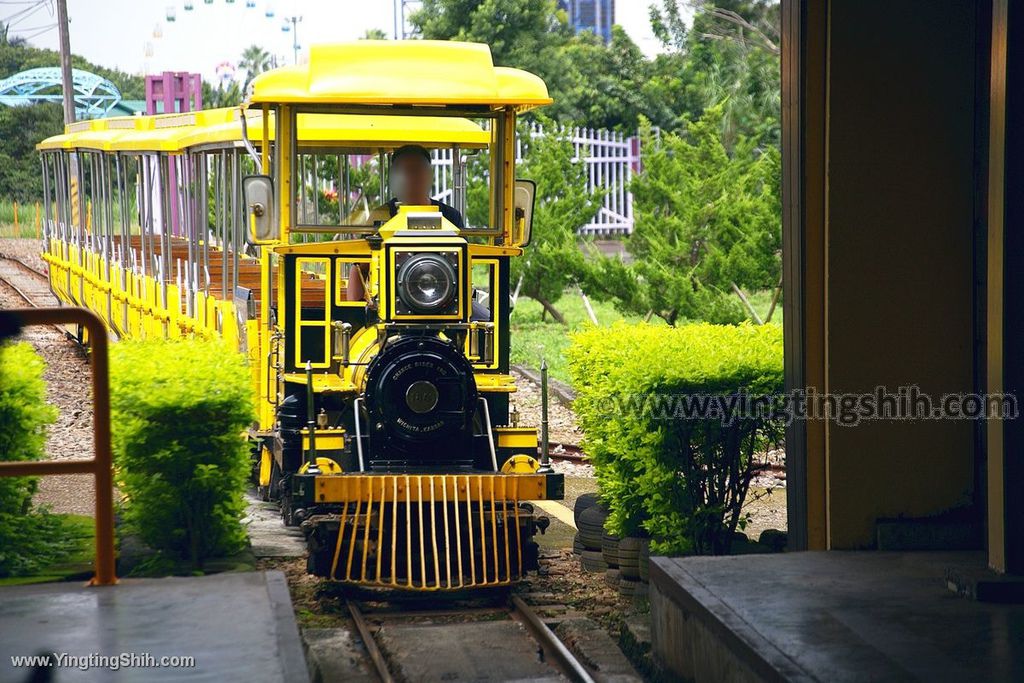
x,y
547,653
27,283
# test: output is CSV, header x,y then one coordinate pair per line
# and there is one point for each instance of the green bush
x,y
29,539
179,412
665,465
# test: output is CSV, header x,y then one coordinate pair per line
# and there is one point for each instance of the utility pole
x,y
294,21
65,61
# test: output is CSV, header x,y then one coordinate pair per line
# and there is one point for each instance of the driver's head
x,y
411,175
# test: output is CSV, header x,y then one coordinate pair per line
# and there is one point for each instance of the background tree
x,y
729,57
562,206
593,84
20,129
224,95
707,227
255,60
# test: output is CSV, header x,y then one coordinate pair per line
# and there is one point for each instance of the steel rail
x,y
379,663
546,638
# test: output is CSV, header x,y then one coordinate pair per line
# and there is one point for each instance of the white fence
x,y
611,160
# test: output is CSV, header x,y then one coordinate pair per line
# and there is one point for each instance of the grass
x,y
77,564
26,219
534,339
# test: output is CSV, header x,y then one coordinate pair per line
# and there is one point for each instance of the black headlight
x,y
427,283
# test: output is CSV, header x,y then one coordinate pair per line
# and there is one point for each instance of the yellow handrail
x,y
100,465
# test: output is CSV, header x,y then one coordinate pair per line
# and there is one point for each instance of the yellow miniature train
x,y
303,227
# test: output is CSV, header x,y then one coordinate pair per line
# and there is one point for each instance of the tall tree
x,y
562,206
707,228
20,129
728,57
255,60
593,84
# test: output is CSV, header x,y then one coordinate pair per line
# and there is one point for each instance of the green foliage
x,y
224,95
254,61
562,206
179,411
20,129
592,84
664,465
29,539
729,57
705,223
537,337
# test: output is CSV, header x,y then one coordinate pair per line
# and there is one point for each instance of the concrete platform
x,y
236,626
830,616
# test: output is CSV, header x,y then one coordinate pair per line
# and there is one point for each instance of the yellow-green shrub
x,y
662,467
28,539
179,412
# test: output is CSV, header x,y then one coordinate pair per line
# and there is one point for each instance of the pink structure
x,y
174,91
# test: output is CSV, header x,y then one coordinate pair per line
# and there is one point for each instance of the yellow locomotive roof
x,y
412,72
177,132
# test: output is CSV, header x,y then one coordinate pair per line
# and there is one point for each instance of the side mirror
x,y
525,192
258,191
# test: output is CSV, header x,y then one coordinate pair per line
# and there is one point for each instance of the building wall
x,y
899,308
591,15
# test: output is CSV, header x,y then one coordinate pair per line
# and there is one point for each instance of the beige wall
x,y
898,252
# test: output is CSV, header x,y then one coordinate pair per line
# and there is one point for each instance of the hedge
x,y
179,412
664,468
29,539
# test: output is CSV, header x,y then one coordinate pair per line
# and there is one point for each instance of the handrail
x,y
100,465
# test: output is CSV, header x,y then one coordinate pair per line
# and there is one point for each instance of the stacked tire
x,y
589,515
630,577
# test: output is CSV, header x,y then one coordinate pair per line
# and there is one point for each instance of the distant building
x,y
591,15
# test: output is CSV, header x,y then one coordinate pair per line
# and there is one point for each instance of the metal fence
x,y
611,159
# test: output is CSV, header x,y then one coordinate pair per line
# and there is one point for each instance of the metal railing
x,y
100,465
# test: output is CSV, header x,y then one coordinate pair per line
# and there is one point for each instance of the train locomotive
x,y
377,337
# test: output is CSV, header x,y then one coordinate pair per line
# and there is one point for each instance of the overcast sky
x,y
118,33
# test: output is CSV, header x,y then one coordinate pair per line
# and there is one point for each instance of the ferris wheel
x,y
264,12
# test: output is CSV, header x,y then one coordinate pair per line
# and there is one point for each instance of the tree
x,y
729,57
224,95
707,226
563,205
255,60
375,34
20,129
592,84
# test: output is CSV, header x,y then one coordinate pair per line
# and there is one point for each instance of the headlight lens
x,y
426,283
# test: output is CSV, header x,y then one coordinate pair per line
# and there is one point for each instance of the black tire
x,y
629,548
630,588
591,561
610,550
591,527
644,559
585,501
631,572
612,578
577,545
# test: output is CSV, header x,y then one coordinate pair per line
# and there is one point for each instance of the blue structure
x,y
94,95
591,15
